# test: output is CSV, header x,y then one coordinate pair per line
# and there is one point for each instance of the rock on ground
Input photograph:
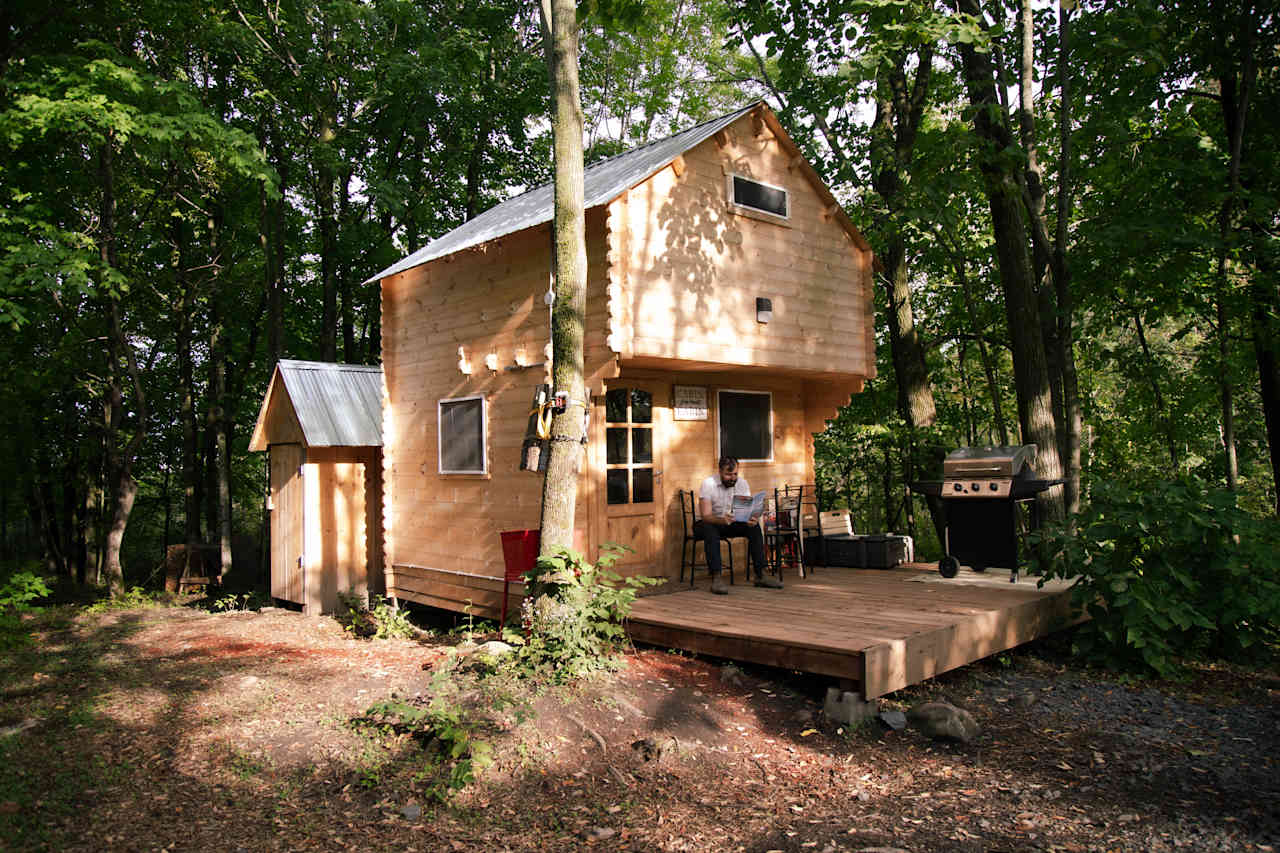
x,y
944,721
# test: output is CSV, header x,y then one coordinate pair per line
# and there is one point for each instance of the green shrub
x,y
242,602
573,611
21,588
17,593
134,596
1174,570
457,755
379,622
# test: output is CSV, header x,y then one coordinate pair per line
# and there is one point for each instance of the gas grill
x,y
981,489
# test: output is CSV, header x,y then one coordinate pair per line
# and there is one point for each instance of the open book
x,y
744,507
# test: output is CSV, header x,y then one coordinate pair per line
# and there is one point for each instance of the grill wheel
x,y
948,566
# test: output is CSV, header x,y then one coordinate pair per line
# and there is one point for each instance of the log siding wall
x,y
673,274
691,266
442,536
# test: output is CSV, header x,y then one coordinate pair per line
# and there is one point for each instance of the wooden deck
x,y
883,629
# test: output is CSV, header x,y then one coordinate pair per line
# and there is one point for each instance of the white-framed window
x,y
744,424
461,435
747,195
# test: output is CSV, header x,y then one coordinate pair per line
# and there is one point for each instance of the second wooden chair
x,y
689,548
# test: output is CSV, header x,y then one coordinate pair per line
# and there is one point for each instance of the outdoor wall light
x,y
764,309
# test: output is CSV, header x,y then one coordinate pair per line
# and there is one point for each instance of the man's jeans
x,y
711,534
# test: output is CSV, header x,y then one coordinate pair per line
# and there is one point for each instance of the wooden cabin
x,y
729,310
321,425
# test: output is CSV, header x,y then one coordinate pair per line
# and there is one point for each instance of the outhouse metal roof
x,y
604,181
338,405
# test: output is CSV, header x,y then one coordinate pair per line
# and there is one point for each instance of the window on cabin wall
x,y
461,433
756,196
628,446
745,424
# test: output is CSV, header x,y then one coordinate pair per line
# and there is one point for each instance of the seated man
x,y
715,522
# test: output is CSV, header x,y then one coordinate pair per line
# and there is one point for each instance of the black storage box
x,y
839,549
813,551
885,552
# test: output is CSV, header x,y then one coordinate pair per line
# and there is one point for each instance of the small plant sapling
x,y
574,611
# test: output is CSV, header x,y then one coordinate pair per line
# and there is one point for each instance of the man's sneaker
x,y
718,586
769,582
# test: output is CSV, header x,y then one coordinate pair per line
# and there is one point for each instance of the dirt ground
x,y
170,728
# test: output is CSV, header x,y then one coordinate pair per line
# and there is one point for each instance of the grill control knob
x,y
976,487
994,487
958,487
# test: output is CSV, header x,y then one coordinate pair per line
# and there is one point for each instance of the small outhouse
x,y
321,425
728,311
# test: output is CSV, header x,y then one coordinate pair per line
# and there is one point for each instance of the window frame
x,y
484,433
720,420
631,465
757,212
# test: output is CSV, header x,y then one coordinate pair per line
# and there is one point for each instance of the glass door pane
x,y
629,446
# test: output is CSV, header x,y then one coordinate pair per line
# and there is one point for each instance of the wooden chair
x,y
810,521
688,515
784,538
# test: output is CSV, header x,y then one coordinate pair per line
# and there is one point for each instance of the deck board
x,y
883,629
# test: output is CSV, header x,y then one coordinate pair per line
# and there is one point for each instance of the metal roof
x,y
338,405
604,181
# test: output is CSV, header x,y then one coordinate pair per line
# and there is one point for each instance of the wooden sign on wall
x,y
689,403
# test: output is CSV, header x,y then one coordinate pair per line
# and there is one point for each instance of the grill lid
x,y
1003,461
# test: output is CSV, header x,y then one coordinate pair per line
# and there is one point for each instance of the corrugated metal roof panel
x,y
338,405
604,181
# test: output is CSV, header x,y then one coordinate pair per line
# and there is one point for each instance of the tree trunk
x,y
168,512
349,354
1235,95
47,515
276,296
899,109
1062,276
209,461
190,455
1162,411
966,395
1264,308
1225,389
1033,177
5,553
560,485
218,409
125,493
984,354
325,180
1237,77
915,392
119,462
71,479
1004,193
475,164
272,283
95,513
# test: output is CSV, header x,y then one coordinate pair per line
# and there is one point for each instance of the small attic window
x,y
755,196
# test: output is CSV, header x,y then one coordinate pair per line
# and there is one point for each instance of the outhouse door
x,y
634,507
287,536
